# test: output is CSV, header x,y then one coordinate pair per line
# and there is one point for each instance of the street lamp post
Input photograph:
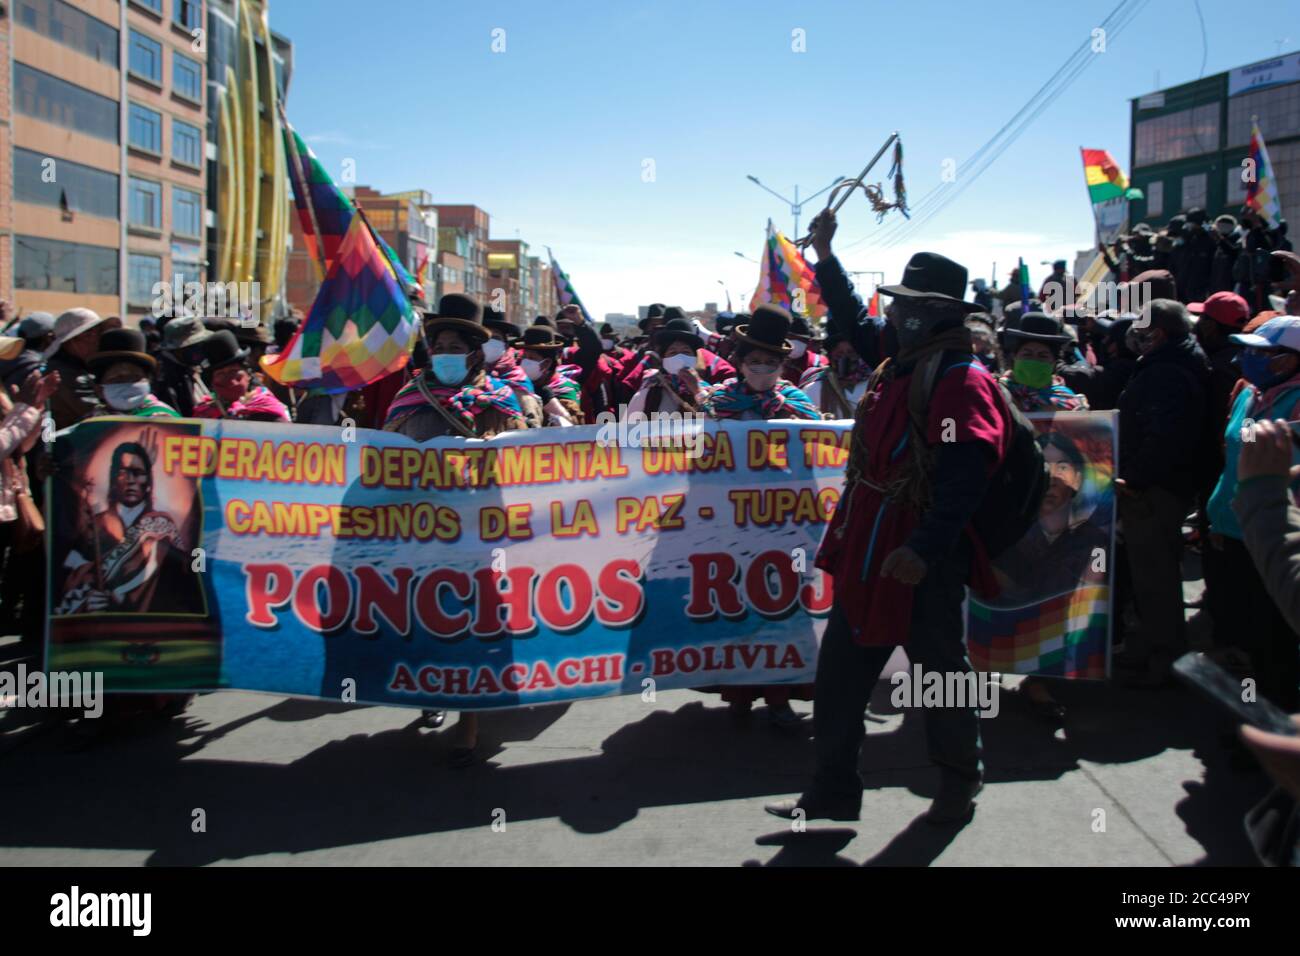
x,y
796,204
727,291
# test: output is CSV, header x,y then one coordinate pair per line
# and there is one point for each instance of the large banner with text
x,y
537,566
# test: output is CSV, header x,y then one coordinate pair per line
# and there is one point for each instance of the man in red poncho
x,y
929,433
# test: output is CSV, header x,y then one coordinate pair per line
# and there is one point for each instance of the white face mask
x,y
676,363
760,379
532,368
126,397
797,348
606,344
493,349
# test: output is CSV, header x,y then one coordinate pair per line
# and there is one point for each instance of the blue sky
x,y
552,135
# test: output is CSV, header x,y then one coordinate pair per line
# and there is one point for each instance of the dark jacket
x,y
1105,388
15,371
1162,419
1193,280
1226,251
868,334
75,397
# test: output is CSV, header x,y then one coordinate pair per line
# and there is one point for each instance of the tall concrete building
x,y
105,192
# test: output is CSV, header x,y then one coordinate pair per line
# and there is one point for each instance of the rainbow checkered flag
x,y
361,326
1261,195
784,276
1064,636
565,294
321,205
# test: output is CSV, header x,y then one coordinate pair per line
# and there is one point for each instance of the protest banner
x,y
538,566
544,565
1053,615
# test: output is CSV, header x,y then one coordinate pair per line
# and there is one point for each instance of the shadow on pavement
x,y
140,791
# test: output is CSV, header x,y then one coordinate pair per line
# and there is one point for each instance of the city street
x,y
618,781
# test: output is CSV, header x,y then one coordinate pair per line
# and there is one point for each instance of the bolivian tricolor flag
x,y
1105,179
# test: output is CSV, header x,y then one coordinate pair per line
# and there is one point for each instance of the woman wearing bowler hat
x,y
760,394
682,376
1034,349
233,393
454,394
123,370
541,349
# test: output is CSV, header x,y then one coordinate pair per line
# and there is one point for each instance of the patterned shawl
x,y
258,402
152,408
1057,397
507,369
564,383
467,401
734,397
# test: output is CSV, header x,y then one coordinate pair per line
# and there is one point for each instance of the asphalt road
x,y
1135,778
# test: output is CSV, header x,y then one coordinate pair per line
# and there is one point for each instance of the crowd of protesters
x,y
1206,345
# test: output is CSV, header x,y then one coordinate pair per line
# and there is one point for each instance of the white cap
x,y
1281,332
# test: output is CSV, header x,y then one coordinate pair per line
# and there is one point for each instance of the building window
x,y
47,181
186,13
1155,193
65,24
1235,193
51,266
1189,132
145,129
187,77
146,58
187,143
154,5
187,262
142,274
1278,109
1194,191
144,204
187,212
55,101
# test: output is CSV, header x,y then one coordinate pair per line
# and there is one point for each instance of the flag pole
x,y
319,258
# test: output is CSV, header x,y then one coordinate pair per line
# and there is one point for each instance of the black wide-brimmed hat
x,y
766,329
655,311
222,349
930,277
122,345
495,320
541,338
607,329
677,330
457,313
1037,327
800,329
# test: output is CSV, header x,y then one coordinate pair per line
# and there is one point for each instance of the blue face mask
x,y
1254,369
448,369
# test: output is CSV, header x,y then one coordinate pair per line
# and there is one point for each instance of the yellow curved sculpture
x,y
252,181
